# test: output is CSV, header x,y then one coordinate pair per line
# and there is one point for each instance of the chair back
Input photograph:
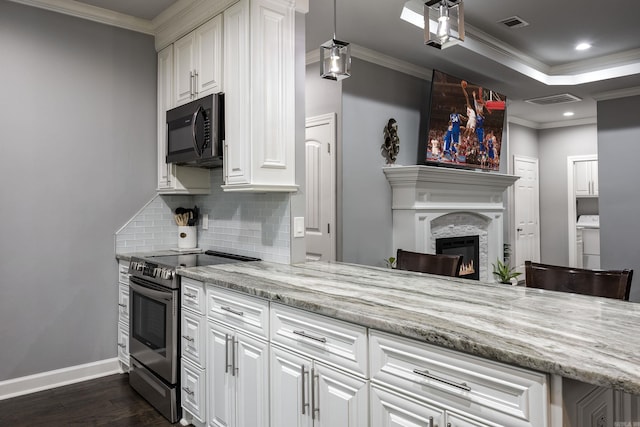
x,y
444,265
600,283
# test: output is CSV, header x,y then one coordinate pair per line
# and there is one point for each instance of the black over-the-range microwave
x,y
195,132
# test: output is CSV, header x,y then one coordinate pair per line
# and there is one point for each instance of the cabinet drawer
x,y
494,391
123,343
239,311
193,336
192,391
393,409
339,343
123,303
192,295
123,272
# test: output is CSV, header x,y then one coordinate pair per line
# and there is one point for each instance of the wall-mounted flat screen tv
x,y
465,124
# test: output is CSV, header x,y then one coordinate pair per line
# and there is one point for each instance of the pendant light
x,y
443,23
335,56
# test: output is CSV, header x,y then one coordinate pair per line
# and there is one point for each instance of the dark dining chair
x,y
601,283
444,265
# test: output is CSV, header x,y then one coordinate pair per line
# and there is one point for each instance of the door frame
x,y
514,224
571,205
331,120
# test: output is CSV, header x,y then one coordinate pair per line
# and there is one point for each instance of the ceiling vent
x,y
514,22
563,98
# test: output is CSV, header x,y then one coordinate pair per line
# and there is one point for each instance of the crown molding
x,y
569,123
378,58
615,94
93,13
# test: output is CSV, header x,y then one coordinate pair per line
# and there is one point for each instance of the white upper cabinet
x,y
173,179
198,62
585,179
259,58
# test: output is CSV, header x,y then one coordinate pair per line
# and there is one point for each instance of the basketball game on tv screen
x,y
465,124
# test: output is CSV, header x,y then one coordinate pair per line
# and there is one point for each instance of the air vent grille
x,y
563,98
514,22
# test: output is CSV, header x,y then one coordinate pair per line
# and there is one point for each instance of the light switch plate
x,y
298,226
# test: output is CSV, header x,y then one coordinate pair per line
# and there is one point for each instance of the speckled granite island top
x,y
594,340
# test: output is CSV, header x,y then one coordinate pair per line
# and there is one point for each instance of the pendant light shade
x,y
335,56
443,23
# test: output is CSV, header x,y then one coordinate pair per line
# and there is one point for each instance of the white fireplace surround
x,y
431,202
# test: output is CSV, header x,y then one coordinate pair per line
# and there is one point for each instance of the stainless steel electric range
x,y
154,328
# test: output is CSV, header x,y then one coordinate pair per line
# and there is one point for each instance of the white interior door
x,y
320,187
527,212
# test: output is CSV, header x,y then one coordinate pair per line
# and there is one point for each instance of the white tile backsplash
x,y
244,223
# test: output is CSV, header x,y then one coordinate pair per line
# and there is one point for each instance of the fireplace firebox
x,y
468,247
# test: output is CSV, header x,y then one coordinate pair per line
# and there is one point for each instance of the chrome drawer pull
x,y
122,305
311,337
190,339
425,373
231,310
189,391
192,296
122,345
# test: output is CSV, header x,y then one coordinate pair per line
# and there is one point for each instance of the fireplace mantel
x,y
431,202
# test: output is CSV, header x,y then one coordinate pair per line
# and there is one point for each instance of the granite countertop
x,y
590,339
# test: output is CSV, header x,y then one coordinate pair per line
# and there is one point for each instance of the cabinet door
x,y
123,303
183,67
193,338
237,155
193,390
339,399
290,391
123,343
208,64
165,102
220,376
582,178
389,409
252,381
594,177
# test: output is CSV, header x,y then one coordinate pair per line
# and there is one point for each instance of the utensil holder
x,y
187,237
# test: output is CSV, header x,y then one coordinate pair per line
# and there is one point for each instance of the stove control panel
x,y
152,271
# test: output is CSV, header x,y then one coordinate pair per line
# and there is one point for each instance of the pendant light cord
x,y
335,19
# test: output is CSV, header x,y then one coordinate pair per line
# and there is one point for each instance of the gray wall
x,y
555,145
523,141
370,97
618,174
77,137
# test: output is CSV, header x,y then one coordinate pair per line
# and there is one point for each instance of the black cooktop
x,y
196,260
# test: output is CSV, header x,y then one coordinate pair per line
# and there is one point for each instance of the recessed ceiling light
x,y
583,46
568,113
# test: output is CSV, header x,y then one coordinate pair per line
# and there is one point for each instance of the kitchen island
x,y
585,346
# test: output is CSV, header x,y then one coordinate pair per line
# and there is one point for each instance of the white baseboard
x,y
52,379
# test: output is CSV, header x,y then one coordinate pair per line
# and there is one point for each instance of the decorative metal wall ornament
x,y
391,145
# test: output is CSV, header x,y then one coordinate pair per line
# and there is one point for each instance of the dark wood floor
x,y
107,401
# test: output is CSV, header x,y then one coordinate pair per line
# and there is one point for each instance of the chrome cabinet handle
x,y
304,397
190,84
122,305
188,391
231,310
188,338
226,353
431,422
122,345
314,382
188,295
234,348
425,373
311,337
195,83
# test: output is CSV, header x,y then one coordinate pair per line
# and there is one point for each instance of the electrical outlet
x,y
298,226
205,221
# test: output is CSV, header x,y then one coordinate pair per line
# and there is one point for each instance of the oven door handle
x,y
151,293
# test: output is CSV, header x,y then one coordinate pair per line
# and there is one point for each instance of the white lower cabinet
x,y
123,315
238,378
389,409
470,391
193,394
305,392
